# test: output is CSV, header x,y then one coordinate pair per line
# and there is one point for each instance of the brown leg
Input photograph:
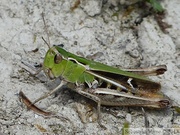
x,y
94,98
50,92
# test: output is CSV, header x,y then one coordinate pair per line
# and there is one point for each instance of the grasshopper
x,y
106,85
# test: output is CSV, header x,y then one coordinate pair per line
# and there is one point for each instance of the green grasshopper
x,y
104,84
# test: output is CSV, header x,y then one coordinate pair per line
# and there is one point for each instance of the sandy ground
x,y
87,30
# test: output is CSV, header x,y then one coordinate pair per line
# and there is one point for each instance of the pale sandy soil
x,y
87,30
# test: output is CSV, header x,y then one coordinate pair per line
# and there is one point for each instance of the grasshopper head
x,y
53,63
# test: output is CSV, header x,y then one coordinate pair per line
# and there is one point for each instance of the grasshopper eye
x,y
57,58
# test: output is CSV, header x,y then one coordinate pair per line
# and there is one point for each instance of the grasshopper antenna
x,y
48,43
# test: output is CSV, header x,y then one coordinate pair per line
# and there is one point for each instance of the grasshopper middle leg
x,y
94,98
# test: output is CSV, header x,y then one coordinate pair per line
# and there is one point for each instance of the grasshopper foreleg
x,y
28,67
50,92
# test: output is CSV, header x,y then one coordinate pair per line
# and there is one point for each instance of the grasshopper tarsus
x,y
101,125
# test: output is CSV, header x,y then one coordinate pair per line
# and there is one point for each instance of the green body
x,y
77,69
